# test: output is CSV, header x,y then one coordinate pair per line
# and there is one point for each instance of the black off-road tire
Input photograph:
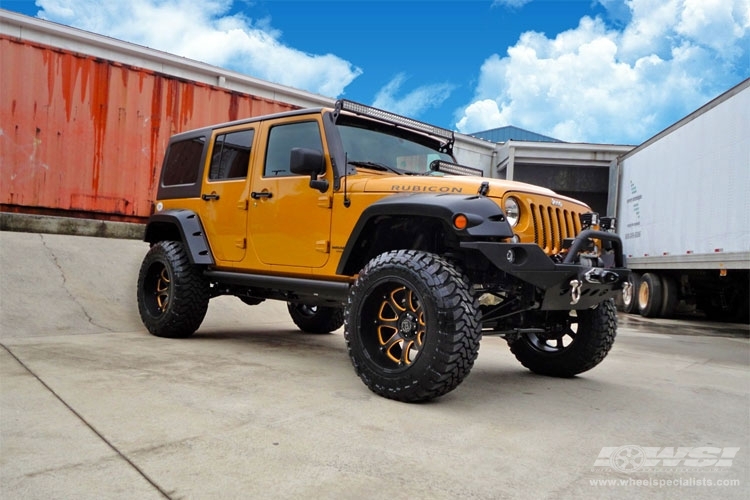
x,y
316,319
412,328
173,295
582,342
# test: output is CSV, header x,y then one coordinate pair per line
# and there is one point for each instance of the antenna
x,y
347,201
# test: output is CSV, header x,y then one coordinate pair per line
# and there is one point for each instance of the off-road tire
x,y
316,319
591,331
172,294
411,326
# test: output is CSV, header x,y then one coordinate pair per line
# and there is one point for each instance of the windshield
x,y
382,150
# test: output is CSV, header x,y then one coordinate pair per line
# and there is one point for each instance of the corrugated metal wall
x,y
86,136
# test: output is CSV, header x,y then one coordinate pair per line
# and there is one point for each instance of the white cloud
x,y
596,83
414,102
205,31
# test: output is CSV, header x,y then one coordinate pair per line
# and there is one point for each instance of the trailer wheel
x,y
412,326
650,295
573,341
670,296
630,304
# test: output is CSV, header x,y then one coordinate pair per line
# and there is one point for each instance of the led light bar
x,y
454,168
386,116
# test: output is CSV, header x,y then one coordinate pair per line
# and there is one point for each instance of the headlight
x,y
512,211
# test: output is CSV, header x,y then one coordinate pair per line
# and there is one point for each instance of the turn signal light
x,y
460,222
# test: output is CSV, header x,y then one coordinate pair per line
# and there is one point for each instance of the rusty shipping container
x,y
84,136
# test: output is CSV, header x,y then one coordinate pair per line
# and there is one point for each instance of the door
x,y
290,222
225,194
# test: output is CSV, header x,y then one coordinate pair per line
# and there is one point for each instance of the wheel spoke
x,y
162,290
406,352
393,347
412,302
398,305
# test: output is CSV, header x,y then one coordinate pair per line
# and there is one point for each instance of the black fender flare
x,y
182,224
485,218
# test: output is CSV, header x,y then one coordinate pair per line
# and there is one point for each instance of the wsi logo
x,y
630,458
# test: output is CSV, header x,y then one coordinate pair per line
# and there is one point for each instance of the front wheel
x,y
172,294
411,326
573,341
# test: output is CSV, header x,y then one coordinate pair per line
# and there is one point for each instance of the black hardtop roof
x,y
203,131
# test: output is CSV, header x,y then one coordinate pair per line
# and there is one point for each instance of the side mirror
x,y
310,162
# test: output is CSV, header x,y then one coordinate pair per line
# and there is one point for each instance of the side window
x,y
281,140
182,162
231,155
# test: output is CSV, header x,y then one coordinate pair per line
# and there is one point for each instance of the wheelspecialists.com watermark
x,y
666,467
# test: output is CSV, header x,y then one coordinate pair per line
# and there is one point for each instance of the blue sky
x,y
609,71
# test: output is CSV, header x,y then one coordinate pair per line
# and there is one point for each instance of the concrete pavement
x,y
92,406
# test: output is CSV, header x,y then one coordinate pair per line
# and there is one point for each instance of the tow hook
x,y
600,276
575,291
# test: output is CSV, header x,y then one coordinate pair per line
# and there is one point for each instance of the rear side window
x,y
182,163
281,140
231,155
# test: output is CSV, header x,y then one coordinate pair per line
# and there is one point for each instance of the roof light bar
x,y
387,116
454,168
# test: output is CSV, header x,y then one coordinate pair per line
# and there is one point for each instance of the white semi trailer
x,y
682,201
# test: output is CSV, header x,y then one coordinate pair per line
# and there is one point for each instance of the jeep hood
x,y
449,184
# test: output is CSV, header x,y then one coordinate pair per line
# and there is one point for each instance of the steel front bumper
x,y
567,285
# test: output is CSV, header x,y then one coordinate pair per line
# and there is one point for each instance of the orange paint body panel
x,y
87,136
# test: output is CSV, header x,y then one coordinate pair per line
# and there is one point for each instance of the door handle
x,y
212,196
263,194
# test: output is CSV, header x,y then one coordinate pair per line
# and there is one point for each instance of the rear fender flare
x,y
184,225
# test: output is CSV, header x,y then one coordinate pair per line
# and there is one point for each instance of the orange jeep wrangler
x,y
358,217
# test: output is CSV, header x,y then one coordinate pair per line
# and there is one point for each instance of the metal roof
x,y
504,134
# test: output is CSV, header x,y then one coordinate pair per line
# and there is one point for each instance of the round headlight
x,y
512,211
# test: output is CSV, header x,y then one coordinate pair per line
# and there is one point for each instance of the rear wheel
x,y
574,341
172,294
650,295
316,319
411,326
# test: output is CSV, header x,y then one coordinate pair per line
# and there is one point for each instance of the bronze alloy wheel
x,y
158,281
173,295
412,327
400,326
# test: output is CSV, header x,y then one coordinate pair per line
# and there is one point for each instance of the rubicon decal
x,y
427,189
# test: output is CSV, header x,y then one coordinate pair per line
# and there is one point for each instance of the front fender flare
x,y
486,218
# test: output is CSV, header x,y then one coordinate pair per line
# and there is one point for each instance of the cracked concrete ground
x,y
91,406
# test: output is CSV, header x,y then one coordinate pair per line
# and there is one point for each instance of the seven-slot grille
x,y
552,225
